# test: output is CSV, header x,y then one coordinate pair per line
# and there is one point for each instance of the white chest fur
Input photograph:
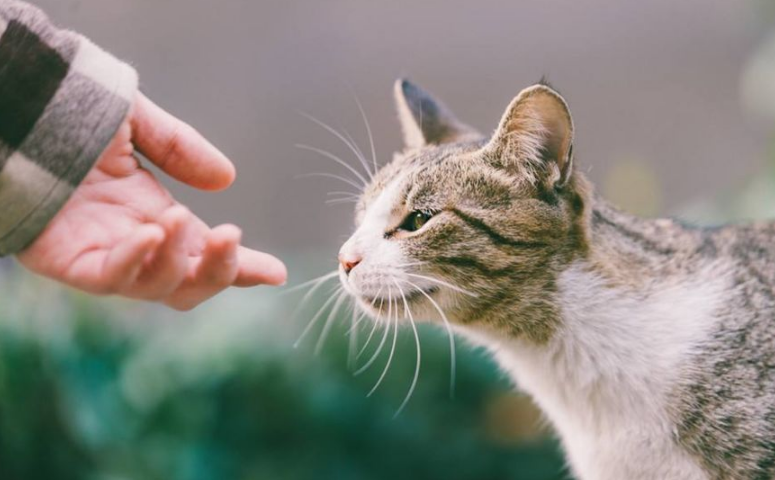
x,y
604,379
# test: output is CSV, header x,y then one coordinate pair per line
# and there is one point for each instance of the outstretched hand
x,y
122,232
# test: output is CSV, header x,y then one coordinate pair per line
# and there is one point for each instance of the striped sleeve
x,y
62,99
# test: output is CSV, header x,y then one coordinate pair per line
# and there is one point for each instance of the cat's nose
x,y
349,261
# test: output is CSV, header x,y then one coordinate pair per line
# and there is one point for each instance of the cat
x,y
648,344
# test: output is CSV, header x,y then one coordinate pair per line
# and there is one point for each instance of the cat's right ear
x,y
425,120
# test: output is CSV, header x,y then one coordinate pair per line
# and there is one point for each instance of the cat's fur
x,y
649,345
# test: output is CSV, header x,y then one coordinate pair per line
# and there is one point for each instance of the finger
x,y
216,271
219,264
125,261
169,265
177,148
257,268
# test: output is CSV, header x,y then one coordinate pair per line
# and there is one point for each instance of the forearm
x,y
61,101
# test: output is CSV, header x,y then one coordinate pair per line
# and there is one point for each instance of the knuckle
x,y
174,143
218,277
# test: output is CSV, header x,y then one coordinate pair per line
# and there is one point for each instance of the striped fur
x,y
649,345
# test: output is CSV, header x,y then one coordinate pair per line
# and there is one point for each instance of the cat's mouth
x,y
410,296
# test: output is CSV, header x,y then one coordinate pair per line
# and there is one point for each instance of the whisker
x,y
335,201
371,333
353,332
318,282
343,197
450,334
331,316
333,157
314,320
354,325
346,180
442,282
418,360
390,356
368,130
332,131
350,197
382,342
359,152
361,156
310,282
340,192
364,314
368,339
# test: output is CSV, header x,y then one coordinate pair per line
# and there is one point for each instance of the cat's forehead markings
x,y
386,205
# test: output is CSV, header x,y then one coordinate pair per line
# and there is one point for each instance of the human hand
x,y
122,232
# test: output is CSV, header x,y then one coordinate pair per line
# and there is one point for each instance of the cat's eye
x,y
415,221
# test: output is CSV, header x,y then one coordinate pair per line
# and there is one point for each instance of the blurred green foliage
x,y
110,390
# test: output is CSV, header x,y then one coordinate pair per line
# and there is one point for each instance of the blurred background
x,y
674,104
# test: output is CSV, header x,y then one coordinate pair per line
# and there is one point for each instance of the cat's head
x,y
477,228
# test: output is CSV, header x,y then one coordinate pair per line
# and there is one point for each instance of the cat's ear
x,y
535,136
425,120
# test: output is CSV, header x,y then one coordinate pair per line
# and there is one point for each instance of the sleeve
x,y
62,99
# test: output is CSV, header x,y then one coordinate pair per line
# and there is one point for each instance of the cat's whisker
x,y
343,197
368,131
346,180
384,337
354,326
450,334
349,196
316,280
364,314
359,153
338,160
314,320
329,321
377,322
334,132
442,282
418,360
361,156
335,201
340,192
353,332
390,356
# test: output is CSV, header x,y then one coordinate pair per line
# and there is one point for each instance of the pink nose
x,y
349,261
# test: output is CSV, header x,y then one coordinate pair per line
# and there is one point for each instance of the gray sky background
x,y
657,81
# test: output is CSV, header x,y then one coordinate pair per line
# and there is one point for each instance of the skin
x,y
122,233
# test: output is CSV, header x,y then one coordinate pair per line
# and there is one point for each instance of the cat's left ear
x,y
535,136
425,120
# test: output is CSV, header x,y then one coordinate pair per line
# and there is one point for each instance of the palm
x,y
122,232
105,209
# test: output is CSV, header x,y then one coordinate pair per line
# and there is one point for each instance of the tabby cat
x,y
649,345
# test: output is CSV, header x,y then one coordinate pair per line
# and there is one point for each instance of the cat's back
x,y
727,409
751,247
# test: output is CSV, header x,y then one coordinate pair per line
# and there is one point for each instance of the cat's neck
x,y
631,310
631,315
642,253
619,343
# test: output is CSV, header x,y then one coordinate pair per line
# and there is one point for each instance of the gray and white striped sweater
x,y
62,99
